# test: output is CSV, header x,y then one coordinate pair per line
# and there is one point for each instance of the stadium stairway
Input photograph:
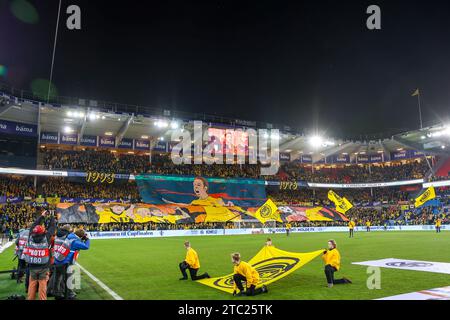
x,y
442,168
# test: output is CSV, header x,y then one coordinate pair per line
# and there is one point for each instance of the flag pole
x,y
53,55
420,109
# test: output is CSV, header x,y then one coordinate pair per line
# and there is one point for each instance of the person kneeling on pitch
x,y
192,263
332,260
243,271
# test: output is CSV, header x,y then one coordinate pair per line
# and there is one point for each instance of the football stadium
x,y
113,201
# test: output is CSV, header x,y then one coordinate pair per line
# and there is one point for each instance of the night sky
x,y
305,64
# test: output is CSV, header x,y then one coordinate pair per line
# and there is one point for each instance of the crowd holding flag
x,y
428,195
268,212
342,204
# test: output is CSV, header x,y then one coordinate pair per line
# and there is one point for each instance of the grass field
x,y
148,268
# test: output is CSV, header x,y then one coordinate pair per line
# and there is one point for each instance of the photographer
x,y
65,252
37,255
21,242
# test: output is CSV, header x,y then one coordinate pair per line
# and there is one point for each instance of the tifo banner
x,y
76,213
143,213
272,265
110,212
296,214
161,189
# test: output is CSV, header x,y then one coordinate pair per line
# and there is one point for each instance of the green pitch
x,y
148,268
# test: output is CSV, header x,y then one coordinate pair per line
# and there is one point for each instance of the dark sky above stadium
x,y
305,64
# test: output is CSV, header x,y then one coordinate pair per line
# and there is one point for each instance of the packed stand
x,y
105,161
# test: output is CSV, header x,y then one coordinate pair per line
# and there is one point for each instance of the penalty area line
x,y
101,284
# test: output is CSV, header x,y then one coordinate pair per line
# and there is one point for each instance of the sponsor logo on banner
x,y
377,158
49,137
25,129
399,155
285,156
140,144
160,146
306,159
342,158
69,138
89,141
403,264
416,154
107,142
363,159
126,144
9,127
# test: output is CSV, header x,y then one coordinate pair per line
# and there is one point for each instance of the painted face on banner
x,y
117,209
143,212
156,212
200,190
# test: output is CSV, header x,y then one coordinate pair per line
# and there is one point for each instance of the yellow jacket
x,y
368,223
438,222
250,273
192,259
333,258
351,224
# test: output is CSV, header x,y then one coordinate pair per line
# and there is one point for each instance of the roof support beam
x,y
124,130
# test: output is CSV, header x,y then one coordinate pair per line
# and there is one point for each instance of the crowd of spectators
x,y
17,187
356,173
94,161
377,205
320,196
60,187
14,217
109,162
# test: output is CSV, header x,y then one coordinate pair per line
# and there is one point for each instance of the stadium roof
x,y
97,121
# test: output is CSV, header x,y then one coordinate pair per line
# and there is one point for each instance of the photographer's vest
x,y
36,253
61,248
23,239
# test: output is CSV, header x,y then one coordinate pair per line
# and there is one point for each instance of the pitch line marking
x,y
6,246
100,283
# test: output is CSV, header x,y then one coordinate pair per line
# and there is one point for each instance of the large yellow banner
x,y
272,265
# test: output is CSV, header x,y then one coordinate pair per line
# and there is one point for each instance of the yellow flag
x,y
341,203
268,211
416,93
53,200
429,194
272,264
